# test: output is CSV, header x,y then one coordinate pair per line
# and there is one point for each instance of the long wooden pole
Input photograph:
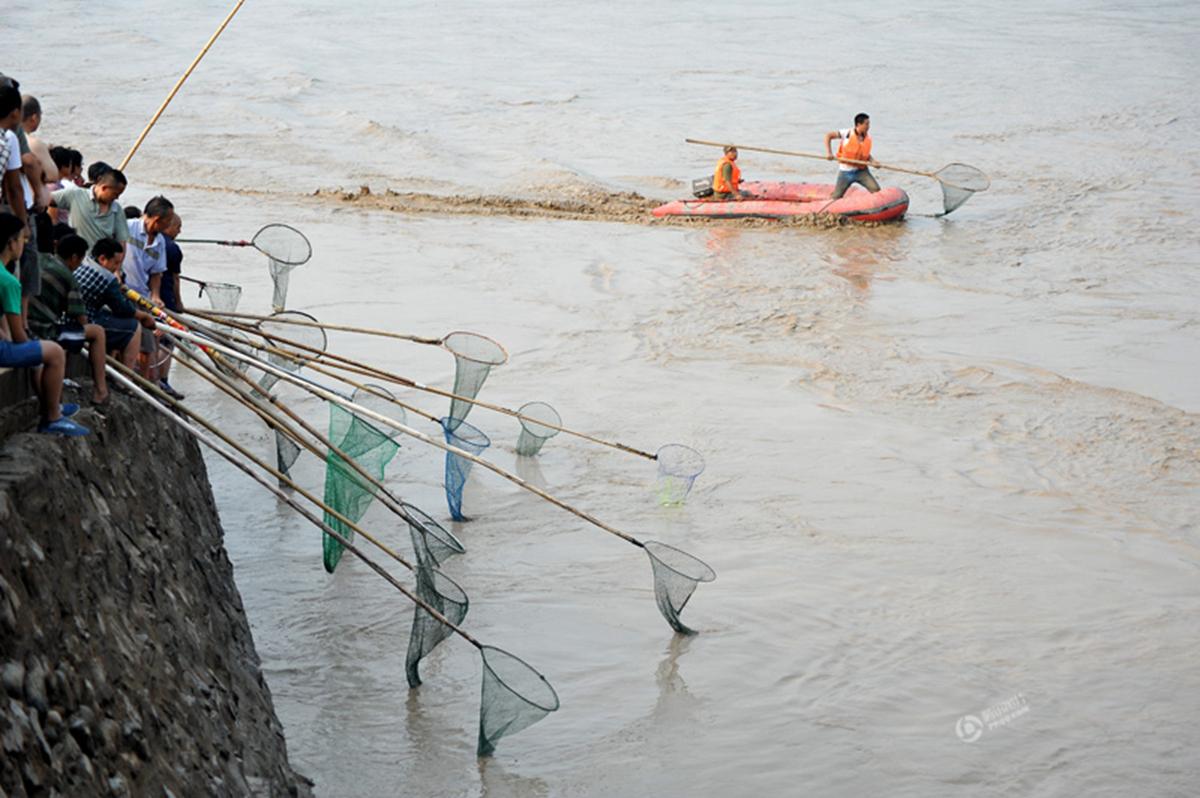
x,y
814,155
365,412
366,370
179,84
165,405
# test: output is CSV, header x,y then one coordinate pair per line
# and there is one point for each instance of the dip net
x,y
283,336
290,358
959,183
534,430
432,543
676,575
285,248
514,697
474,357
222,297
461,435
678,467
346,491
444,595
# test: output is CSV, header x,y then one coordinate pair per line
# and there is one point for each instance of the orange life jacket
x,y
719,184
854,150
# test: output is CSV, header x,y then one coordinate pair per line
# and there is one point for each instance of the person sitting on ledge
x,y
107,304
17,351
59,305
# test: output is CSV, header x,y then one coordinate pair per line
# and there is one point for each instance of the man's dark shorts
x,y
117,331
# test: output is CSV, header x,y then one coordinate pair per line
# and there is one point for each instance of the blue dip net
x,y
461,435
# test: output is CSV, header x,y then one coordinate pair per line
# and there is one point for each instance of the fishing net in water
x,y
222,297
283,244
313,338
676,574
534,434
444,595
959,183
461,435
678,467
285,248
474,357
345,489
380,400
514,697
287,451
432,543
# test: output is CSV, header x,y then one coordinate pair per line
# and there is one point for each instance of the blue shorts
x,y
21,356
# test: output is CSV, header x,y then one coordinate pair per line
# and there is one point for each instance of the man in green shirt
x,y
95,212
60,301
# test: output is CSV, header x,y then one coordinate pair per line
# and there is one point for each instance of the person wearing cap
x,y
59,305
17,351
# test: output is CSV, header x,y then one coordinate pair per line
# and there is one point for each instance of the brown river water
x,y
953,465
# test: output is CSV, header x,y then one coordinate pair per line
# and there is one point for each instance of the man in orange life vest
x,y
727,177
855,146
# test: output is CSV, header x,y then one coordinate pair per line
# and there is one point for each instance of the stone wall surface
x,y
127,666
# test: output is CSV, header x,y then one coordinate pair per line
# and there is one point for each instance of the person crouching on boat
x,y
854,152
727,178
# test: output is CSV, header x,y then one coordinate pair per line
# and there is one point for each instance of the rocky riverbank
x,y
126,660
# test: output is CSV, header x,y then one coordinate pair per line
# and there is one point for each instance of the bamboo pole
x,y
330,396
386,497
174,410
367,370
179,84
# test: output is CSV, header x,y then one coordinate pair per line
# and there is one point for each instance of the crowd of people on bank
x,y
71,255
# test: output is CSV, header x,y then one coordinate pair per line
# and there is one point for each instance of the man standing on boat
x,y
855,147
727,178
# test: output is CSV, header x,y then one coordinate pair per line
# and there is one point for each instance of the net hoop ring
x,y
303,355
499,358
433,528
291,261
987,181
473,437
684,453
654,546
531,424
550,705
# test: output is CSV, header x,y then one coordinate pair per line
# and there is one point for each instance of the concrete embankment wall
x,y
126,661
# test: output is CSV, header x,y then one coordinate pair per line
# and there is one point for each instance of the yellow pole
x,y
178,85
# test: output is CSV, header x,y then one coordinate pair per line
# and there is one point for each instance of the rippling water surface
x,y
952,463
